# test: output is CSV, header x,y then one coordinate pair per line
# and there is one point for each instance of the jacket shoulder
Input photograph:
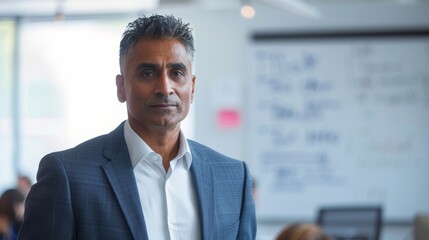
x,y
92,145
209,154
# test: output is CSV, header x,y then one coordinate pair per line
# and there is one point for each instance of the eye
x,y
177,73
147,74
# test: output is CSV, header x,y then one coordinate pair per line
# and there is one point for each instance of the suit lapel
x,y
202,177
120,174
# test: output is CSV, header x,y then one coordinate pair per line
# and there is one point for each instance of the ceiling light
x,y
247,11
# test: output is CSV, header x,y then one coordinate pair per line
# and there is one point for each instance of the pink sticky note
x,y
228,118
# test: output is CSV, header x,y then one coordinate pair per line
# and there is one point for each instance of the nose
x,y
164,86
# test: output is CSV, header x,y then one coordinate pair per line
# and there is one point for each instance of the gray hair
x,y
156,27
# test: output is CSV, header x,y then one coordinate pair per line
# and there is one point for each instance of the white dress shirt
x,y
167,198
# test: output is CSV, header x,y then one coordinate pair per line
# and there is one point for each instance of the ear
x,y
120,88
193,87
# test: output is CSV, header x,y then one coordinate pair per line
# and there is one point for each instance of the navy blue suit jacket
x,y
90,192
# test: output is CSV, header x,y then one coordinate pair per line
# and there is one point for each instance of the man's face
x,y
157,84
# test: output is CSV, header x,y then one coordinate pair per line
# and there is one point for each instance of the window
x,y
7,35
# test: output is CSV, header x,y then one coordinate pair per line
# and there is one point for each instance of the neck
x,y
168,149
165,143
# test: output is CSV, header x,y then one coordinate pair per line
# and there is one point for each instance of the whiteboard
x,y
340,121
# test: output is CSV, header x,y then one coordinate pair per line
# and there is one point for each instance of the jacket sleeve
x,y
248,227
48,208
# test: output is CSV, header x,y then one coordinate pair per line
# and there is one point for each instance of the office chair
x,y
421,227
351,223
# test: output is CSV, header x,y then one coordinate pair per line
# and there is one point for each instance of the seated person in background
x,y
302,231
11,213
5,230
24,184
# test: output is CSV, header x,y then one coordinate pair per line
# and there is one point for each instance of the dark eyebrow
x,y
180,66
147,66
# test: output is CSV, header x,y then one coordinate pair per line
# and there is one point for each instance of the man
x,y
144,180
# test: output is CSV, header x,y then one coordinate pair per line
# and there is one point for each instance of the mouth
x,y
163,105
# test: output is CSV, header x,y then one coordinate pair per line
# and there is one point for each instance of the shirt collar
x,y
138,149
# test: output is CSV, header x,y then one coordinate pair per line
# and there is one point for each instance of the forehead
x,y
156,50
